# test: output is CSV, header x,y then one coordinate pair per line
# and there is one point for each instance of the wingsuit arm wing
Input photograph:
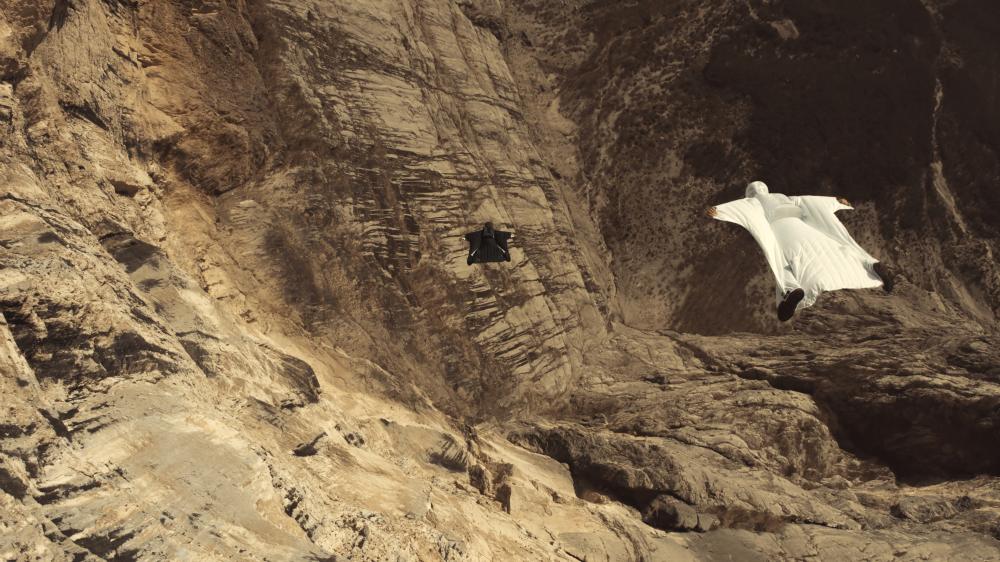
x,y
750,215
502,237
475,241
820,213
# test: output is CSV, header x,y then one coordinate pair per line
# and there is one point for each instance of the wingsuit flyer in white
x,y
804,242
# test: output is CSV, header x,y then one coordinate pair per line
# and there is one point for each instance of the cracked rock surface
x,y
236,322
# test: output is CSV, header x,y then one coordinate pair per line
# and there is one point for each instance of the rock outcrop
x,y
236,321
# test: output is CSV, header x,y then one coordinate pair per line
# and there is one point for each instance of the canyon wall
x,y
238,323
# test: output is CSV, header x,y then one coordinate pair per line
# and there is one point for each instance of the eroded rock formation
x,y
237,322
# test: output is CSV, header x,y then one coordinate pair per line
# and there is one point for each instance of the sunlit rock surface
x,y
237,321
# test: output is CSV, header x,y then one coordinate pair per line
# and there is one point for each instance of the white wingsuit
x,y
804,242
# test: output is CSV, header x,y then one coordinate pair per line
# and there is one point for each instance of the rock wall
x,y
681,104
237,323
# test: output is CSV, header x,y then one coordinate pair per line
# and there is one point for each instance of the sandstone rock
x,y
924,509
669,514
231,230
706,522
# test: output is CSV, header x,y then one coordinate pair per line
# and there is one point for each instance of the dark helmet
x,y
488,230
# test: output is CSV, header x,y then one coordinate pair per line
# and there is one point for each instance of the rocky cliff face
x,y
886,104
238,323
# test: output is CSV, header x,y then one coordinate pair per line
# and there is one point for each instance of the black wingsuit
x,y
488,245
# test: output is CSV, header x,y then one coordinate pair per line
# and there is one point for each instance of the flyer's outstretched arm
x,y
750,215
820,213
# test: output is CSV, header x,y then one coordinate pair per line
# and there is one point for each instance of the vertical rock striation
x,y
236,321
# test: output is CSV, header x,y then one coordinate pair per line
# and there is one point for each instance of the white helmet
x,y
756,188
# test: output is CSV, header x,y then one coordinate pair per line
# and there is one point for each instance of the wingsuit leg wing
x,y
849,265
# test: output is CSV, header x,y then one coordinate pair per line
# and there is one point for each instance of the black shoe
x,y
888,279
787,307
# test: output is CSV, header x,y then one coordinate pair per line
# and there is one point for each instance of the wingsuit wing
x,y
820,213
502,237
749,214
475,242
